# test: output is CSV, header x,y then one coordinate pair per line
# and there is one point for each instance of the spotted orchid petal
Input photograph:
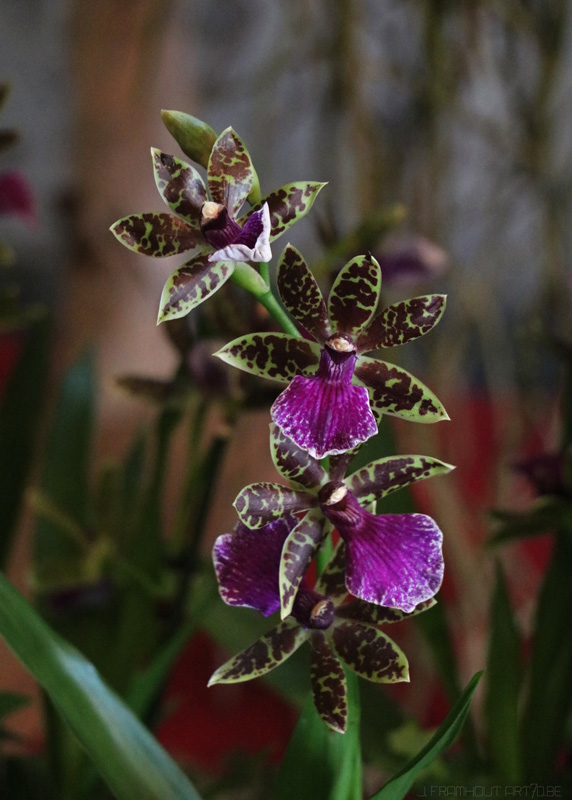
x,y
402,322
370,653
326,414
392,560
295,465
156,234
191,285
386,475
329,687
332,580
301,294
266,654
261,503
394,391
247,562
180,186
230,173
370,614
252,243
354,295
287,205
276,356
299,549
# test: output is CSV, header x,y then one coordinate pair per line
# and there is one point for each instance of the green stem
x,y
272,305
265,272
247,278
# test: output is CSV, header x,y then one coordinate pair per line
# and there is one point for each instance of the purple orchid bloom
x,y
393,560
210,225
247,564
334,408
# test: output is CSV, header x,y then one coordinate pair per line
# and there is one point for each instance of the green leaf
x,y
66,467
156,234
287,205
548,514
194,137
20,413
276,356
398,786
321,764
128,757
354,295
260,503
192,284
549,699
386,475
10,702
504,672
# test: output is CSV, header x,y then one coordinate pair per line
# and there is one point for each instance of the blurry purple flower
x,y
16,197
546,473
409,260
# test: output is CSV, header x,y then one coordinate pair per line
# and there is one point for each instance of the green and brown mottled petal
x,y
394,391
268,652
156,234
329,687
354,295
369,652
287,205
386,475
372,614
277,356
180,186
260,503
403,322
332,581
191,284
230,173
299,549
301,294
295,465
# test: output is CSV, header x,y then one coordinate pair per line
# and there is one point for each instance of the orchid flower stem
x,y
265,272
248,278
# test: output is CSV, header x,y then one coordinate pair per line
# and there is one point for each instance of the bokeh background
x,y
443,130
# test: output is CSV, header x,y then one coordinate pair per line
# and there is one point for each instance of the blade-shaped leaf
x,y
259,503
180,186
301,294
299,549
354,295
550,673
370,653
403,322
396,392
320,764
20,413
294,464
398,786
156,234
329,689
504,674
191,285
230,172
264,655
287,205
386,475
194,137
276,356
128,757
10,702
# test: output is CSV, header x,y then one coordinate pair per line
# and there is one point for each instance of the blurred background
x,y
443,130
